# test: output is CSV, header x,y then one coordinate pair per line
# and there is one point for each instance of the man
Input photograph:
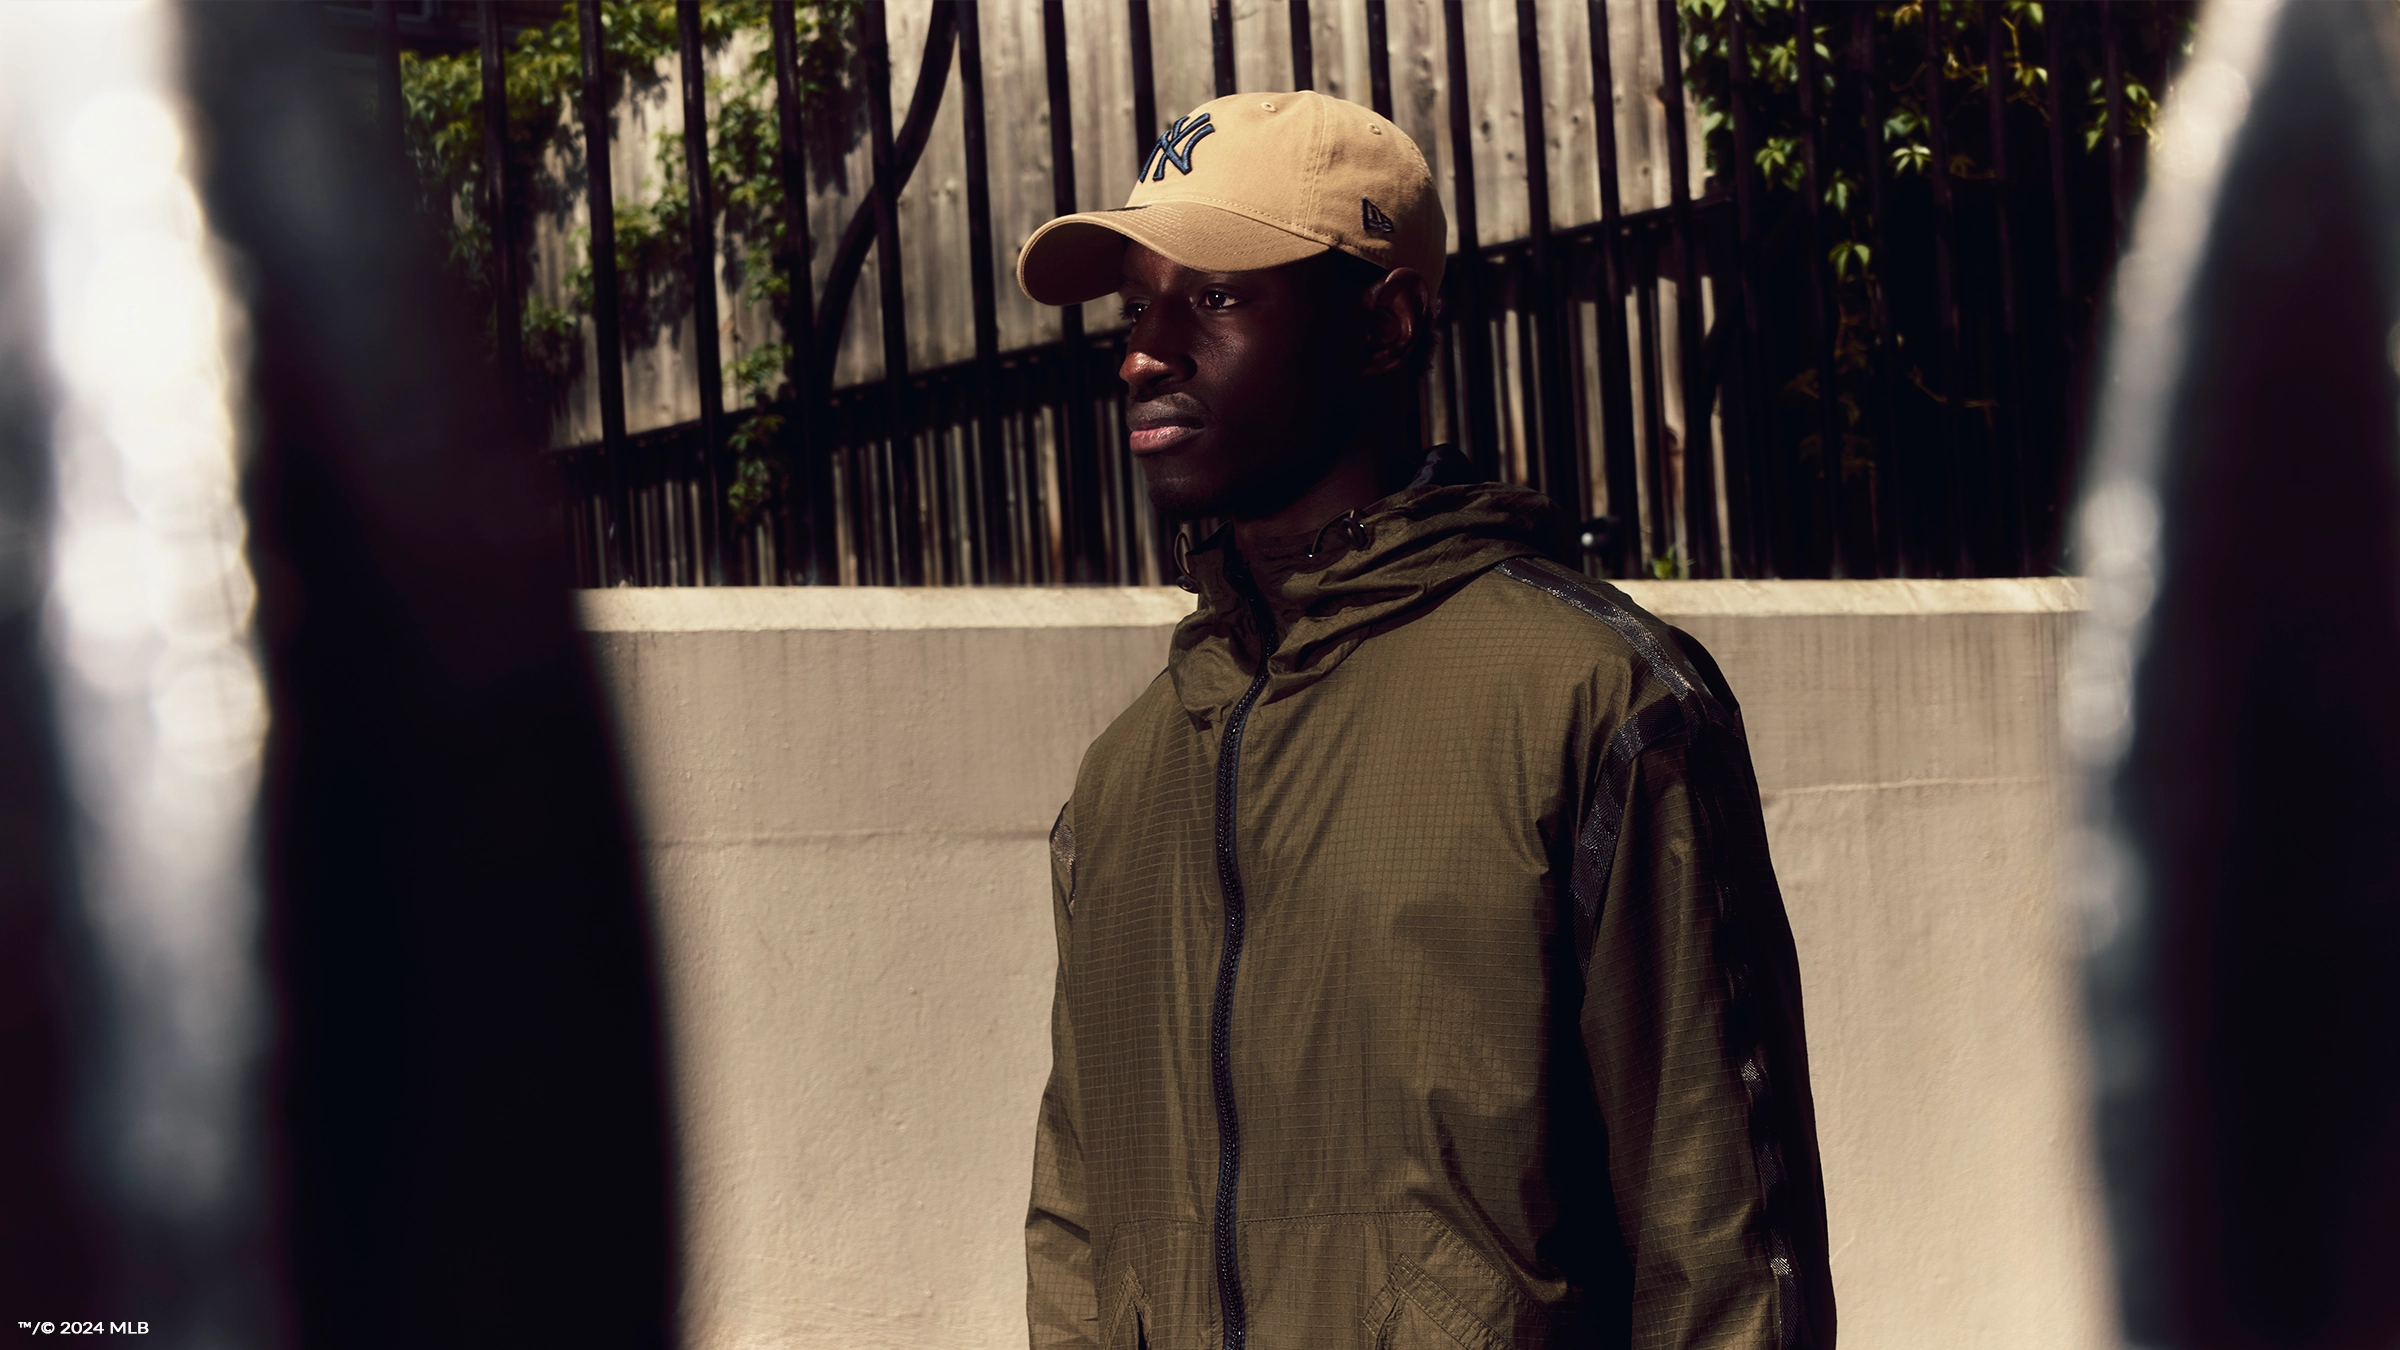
x,y
1422,977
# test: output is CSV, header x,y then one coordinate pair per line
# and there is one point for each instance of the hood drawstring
x,y
1183,555
1348,520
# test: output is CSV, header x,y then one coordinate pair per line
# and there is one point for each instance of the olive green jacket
x,y
1427,984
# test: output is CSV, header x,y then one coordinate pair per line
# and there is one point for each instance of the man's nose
x,y
1149,361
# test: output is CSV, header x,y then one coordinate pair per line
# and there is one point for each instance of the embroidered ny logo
x,y
1186,133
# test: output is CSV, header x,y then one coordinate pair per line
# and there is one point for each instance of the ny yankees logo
x,y
1186,133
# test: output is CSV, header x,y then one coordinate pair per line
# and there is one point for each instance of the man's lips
x,y
1150,438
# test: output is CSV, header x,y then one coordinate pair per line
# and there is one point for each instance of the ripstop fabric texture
x,y
1509,1051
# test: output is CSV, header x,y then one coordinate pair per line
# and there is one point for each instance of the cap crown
x,y
1322,168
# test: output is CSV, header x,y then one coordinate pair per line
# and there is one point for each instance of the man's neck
x,y
1354,482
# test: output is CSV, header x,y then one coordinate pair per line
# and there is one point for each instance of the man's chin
x,y
1179,500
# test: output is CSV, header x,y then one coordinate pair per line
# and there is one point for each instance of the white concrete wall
x,y
844,796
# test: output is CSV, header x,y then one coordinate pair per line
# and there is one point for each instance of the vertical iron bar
x,y
812,454
1079,475
1466,268
1619,452
2017,501
508,335
1743,472
392,119
2113,87
1953,554
1220,29
905,554
1661,540
1561,467
609,354
1892,475
1145,130
2052,19
994,522
1825,301
1304,49
1379,58
1699,468
701,225
2065,420
1145,77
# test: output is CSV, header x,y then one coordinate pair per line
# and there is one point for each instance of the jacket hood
x,y
1325,592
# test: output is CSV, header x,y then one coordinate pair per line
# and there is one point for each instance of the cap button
x,y
1268,106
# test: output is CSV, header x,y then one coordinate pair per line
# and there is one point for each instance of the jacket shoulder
x,y
1660,654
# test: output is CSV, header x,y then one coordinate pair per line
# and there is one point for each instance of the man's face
x,y
1231,378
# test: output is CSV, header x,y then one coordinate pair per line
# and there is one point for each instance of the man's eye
x,y
1215,300
1131,310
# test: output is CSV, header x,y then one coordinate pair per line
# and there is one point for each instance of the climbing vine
x,y
443,117
2155,32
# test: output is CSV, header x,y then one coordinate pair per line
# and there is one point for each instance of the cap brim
x,y
1082,257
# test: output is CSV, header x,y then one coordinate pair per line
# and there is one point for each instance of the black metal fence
x,y
1917,414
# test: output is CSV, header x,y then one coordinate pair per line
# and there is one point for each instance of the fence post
x,y
1559,463
1620,457
2016,537
2066,415
1304,48
1145,79
1825,301
1699,468
1742,471
1466,269
609,356
990,456
811,451
1220,31
1891,519
905,553
508,334
1379,59
1956,556
1080,473
700,223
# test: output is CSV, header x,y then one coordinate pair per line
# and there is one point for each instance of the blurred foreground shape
x,y
374,1061
2234,703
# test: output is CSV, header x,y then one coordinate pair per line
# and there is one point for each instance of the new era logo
x,y
1372,216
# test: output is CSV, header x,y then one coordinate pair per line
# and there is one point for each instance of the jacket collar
x,y
1324,592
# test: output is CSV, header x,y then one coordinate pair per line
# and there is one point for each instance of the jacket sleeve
x,y
1692,1028
1061,1304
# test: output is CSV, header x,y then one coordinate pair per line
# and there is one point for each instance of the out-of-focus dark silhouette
x,y
453,1128
2234,696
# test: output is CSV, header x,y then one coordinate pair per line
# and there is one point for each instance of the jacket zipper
x,y
1220,1020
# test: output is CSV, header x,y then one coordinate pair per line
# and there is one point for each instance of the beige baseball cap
x,y
1252,181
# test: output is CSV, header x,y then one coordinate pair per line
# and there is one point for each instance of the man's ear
x,y
1398,308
